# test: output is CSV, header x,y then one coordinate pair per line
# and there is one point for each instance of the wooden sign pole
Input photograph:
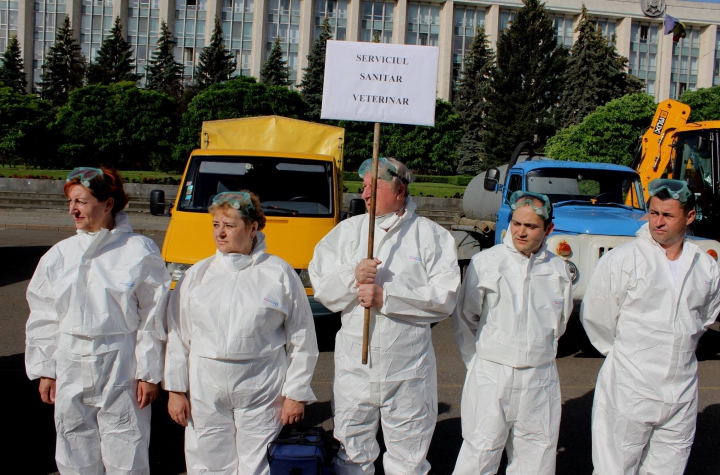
x,y
371,234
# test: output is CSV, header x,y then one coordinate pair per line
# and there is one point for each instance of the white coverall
x,y
398,387
97,309
511,312
645,406
241,339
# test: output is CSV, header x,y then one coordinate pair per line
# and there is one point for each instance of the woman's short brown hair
x,y
103,187
254,215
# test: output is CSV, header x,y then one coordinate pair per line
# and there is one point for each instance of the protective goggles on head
x,y
84,175
521,198
386,170
239,200
677,189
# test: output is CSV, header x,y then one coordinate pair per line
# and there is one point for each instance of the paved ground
x,y
29,440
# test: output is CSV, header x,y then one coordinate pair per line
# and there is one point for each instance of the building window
x,y
336,12
644,53
564,29
96,21
607,26
423,24
506,18
686,54
189,32
466,21
8,22
143,31
716,69
49,16
377,17
237,21
284,22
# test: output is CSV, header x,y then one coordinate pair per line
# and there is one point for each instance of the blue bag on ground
x,y
302,452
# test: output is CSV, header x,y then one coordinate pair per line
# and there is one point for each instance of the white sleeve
x,y
600,307
333,278
466,317
152,294
432,302
177,353
710,311
301,343
567,305
43,327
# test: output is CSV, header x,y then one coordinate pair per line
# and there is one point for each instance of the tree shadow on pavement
x,y
19,262
575,442
704,458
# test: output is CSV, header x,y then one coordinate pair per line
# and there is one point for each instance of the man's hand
x,y
179,408
370,295
146,393
366,271
292,412
47,390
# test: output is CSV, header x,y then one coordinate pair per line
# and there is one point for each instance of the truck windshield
x,y
595,187
285,187
694,159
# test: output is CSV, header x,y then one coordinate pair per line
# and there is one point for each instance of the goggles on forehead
x,y
84,175
521,198
386,170
677,189
239,200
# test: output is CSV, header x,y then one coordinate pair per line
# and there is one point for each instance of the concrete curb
x,y
52,227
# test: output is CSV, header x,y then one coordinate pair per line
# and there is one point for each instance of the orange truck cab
x,y
293,166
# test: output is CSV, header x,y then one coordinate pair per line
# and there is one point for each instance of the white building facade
x,y
251,26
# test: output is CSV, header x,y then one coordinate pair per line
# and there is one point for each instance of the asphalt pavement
x,y
29,428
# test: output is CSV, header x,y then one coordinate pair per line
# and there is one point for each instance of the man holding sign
x,y
412,282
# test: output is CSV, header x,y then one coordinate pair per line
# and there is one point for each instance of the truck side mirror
x,y
702,144
157,202
492,177
357,207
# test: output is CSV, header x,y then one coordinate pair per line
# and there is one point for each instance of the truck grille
x,y
603,250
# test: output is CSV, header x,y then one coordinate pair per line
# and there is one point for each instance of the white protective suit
x,y
97,309
241,339
645,404
511,312
398,387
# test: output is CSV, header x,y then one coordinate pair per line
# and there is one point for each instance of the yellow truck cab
x,y
294,167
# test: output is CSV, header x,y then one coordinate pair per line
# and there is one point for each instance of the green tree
x,y
595,74
704,103
470,102
311,86
216,61
275,71
114,61
610,134
64,67
118,125
12,70
164,74
527,82
24,120
239,97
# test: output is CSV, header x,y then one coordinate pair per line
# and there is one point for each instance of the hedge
x,y
448,180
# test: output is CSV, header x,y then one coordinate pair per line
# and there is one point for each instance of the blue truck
x,y
589,200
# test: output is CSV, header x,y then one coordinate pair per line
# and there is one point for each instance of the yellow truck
x,y
296,169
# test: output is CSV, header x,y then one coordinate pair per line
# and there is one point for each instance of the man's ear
x,y
549,229
109,205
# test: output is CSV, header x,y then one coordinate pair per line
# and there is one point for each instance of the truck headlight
x,y
177,270
304,277
574,273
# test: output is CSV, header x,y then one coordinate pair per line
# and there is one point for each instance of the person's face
x,y
90,215
231,233
668,221
528,230
386,200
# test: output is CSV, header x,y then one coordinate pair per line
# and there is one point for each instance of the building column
x,y
74,12
307,35
120,9
444,82
26,37
664,67
400,22
259,32
354,19
167,14
623,35
214,8
492,25
707,50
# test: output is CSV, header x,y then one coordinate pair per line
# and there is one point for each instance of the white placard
x,y
377,82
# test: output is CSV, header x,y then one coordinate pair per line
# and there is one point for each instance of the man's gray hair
x,y
405,176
